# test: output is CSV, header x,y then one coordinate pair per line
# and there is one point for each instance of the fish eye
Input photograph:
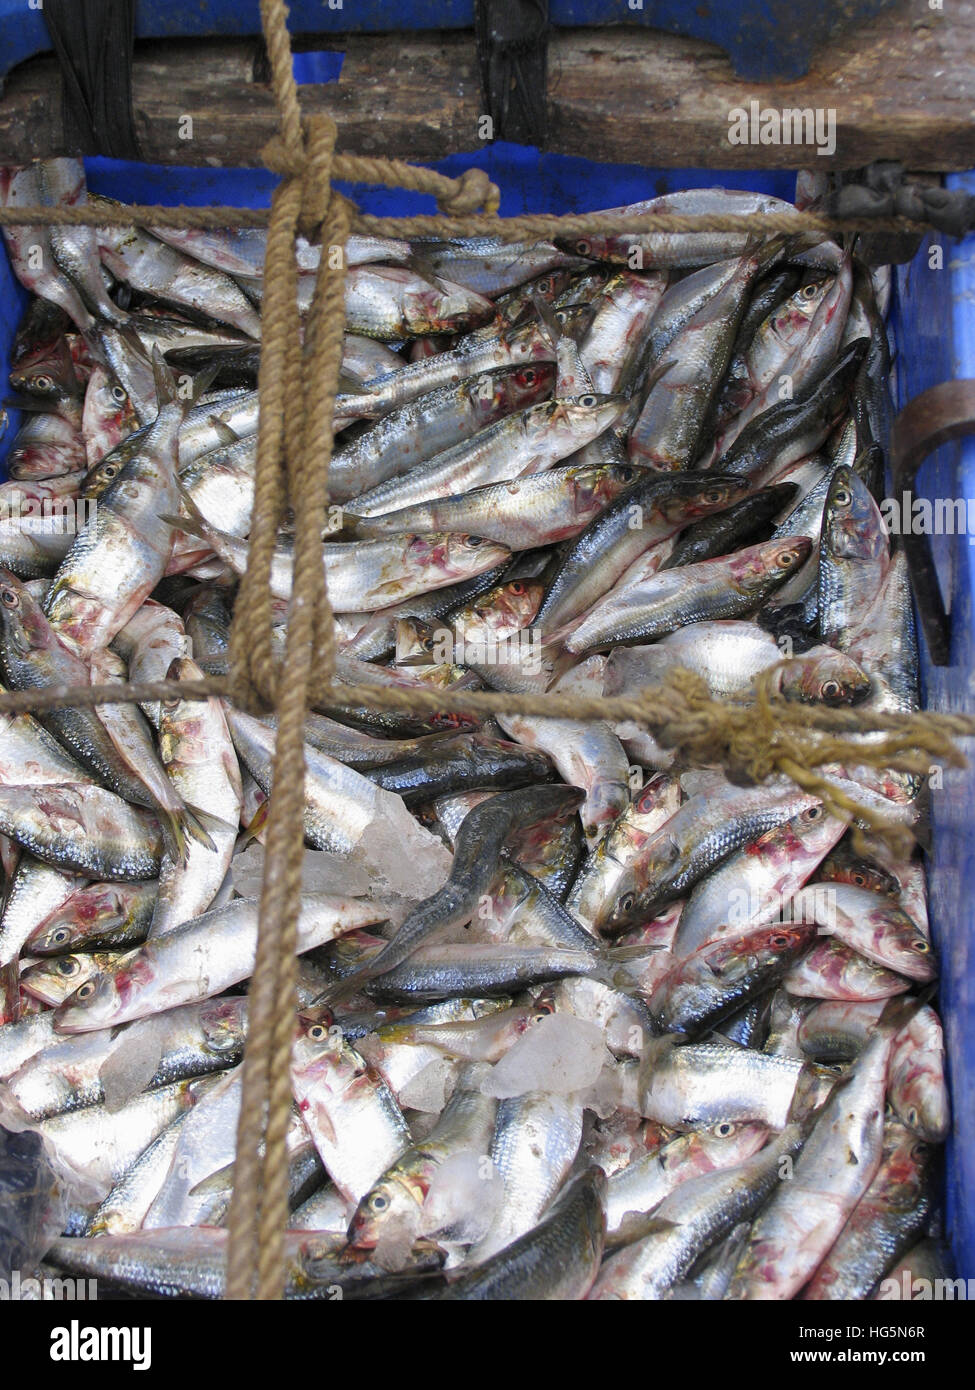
x,y
588,401
378,1202
86,990
110,470
724,1129
627,901
583,247
475,541
517,587
787,559
921,946
860,880
60,935
317,1031
809,291
9,598
780,940
912,1116
714,494
529,376
830,690
67,965
627,473
43,382
842,497
813,812
119,395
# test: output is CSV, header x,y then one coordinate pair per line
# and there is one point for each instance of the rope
x,y
297,388
528,226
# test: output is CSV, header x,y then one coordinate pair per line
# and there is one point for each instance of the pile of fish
x,y
574,1021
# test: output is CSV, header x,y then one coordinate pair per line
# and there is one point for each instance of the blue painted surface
x,y
765,39
934,320
936,340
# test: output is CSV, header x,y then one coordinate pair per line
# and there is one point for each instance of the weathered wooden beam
x,y
902,86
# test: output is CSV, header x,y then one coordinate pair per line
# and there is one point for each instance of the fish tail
x,y
195,823
181,391
173,824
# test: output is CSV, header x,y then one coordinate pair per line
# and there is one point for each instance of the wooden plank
x,y
902,87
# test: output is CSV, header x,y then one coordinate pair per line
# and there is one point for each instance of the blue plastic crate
x,y
765,39
934,323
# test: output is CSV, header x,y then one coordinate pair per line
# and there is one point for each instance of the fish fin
x,y
899,1011
547,318
10,1000
171,391
196,822
225,434
173,833
257,825
213,1182
656,373
194,523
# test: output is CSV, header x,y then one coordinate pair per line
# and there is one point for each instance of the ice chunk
x,y
463,1199
395,1243
560,1054
427,1090
134,1060
386,862
604,1097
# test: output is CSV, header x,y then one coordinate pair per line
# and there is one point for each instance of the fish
x,y
711,589
557,1260
350,1112
692,1218
834,1171
198,960
431,423
688,1084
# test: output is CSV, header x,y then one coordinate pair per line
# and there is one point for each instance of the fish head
x,y
94,1004
89,913
595,248
461,556
639,900
824,675
683,500
444,307
727,1143
101,476
799,309
906,1158
25,628
394,1202
52,981
223,1023
776,559
853,528
517,387
843,866
511,605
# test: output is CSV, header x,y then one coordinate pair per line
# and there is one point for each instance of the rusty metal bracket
x,y
933,418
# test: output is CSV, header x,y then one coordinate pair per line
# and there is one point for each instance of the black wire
x,y
512,42
94,42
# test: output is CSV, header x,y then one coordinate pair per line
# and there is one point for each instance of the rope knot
x,y
474,190
280,159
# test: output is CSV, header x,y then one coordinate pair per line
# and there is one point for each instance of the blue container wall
x,y
765,39
934,323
